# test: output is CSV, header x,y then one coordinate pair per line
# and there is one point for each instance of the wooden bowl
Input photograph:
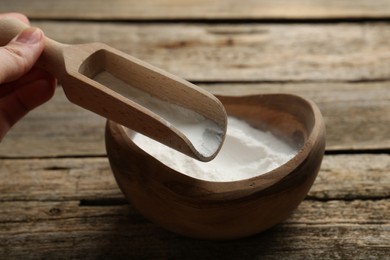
x,y
225,210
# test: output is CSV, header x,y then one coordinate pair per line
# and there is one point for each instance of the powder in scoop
x,y
204,134
246,152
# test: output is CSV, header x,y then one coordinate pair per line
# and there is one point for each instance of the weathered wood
x,y
295,242
57,179
65,230
60,128
193,9
341,177
353,177
310,212
245,52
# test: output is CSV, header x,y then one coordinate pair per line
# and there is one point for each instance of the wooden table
x,y
58,197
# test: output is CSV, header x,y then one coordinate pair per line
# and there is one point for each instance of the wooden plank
x,y
341,177
297,242
64,230
60,128
57,179
353,177
193,9
246,52
309,212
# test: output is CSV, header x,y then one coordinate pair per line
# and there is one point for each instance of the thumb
x,y
20,54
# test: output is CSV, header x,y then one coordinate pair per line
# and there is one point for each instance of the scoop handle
x,y
51,58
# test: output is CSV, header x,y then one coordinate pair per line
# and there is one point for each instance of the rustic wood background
x,y
59,200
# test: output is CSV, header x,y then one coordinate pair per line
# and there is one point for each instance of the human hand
x,y
22,86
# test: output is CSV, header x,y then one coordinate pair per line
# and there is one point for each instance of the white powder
x,y
204,134
246,152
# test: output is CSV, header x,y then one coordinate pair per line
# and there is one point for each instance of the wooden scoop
x,y
77,66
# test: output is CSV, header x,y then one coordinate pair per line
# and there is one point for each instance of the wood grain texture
x,y
341,177
57,179
311,212
65,230
60,128
249,52
41,216
192,9
351,177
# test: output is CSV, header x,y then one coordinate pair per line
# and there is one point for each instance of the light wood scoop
x,y
76,66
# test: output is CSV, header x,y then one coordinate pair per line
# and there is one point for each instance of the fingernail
x,y
30,36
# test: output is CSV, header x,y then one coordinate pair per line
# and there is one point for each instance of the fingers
x,y
33,75
38,87
19,16
18,56
22,87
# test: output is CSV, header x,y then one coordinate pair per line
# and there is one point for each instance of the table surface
x,y
58,196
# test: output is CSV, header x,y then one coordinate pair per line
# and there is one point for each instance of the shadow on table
x,y
136,237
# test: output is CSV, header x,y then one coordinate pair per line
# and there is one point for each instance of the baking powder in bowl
x,y
247,152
